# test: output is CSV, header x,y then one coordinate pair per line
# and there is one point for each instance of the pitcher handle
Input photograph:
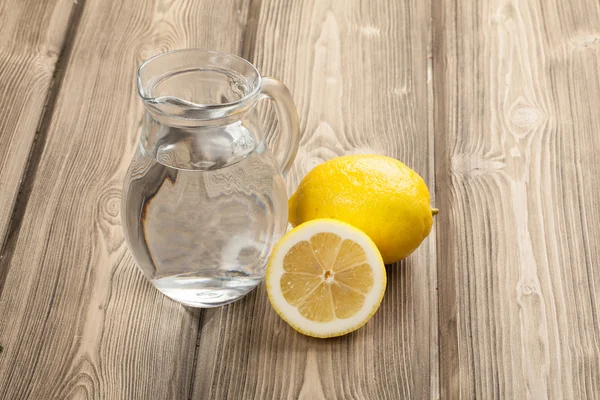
x,y
287,116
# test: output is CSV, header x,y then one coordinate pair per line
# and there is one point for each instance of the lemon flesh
x,y
376,194
325,278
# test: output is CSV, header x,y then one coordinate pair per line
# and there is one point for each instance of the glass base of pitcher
x,y
205,292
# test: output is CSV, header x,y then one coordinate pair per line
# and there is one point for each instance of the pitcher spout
x,y
197,85
199,108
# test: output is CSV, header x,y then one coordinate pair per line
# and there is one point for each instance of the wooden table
x,y
495,103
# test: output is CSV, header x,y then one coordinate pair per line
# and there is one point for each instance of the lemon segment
x,y
326,278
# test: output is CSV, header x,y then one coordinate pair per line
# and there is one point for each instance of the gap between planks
x,y
448,375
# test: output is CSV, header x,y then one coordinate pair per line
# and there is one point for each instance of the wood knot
x,y
525,117
109,205
370,31
310,159
473,165
46,59
527,290
50,53
108,211
401,91
586,41
506,16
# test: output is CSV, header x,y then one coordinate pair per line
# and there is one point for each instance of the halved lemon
x,y
325,278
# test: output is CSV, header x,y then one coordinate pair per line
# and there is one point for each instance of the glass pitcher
x,y
204,200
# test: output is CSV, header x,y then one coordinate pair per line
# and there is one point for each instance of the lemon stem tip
x,y
434,211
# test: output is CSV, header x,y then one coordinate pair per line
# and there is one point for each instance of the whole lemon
x,y
376,194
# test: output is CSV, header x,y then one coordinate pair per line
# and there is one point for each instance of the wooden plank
x,y
357,71
32,34
517,86
78,319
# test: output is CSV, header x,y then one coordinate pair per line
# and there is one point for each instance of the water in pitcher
x,y
204,200
203,237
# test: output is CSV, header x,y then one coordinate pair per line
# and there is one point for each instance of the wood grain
x,y
78,319
516,87
358,72
504,128
32,34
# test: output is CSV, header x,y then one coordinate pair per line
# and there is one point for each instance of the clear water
x,y
203,237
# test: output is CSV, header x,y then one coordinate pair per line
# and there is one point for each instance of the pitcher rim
x,y
233,104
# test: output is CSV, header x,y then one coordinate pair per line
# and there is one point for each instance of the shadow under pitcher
x,y
204,200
